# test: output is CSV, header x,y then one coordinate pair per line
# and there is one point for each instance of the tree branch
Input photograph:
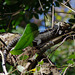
x,y
3,63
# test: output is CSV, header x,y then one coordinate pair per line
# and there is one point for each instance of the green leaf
x,y
20,68
72,56
13,22
70,61
26,39
36,55
11,2
63,69
2,30
38,68
26,8
18,30
17,21
16,52
24,57
40,63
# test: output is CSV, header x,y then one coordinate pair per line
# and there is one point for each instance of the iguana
x,y
11,39
60,28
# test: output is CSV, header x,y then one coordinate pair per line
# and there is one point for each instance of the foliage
x,y
66,55
14,12
26,39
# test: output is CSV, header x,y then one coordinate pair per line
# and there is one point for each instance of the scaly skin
x,y
7,38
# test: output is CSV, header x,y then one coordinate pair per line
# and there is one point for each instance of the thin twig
x,y
3,63
64,12
49,44
53,14
61,43
67,2
66,69
50,61
15,13
13,71
41,5
39,11
42,10
67,7
5,51
74,41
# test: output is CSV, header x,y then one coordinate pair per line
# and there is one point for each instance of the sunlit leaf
x,y
18,30
63,69
70,61
36,55
41,62
26,39
16,52
38,68
20,68
2,30
72,56
27,7
59,17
